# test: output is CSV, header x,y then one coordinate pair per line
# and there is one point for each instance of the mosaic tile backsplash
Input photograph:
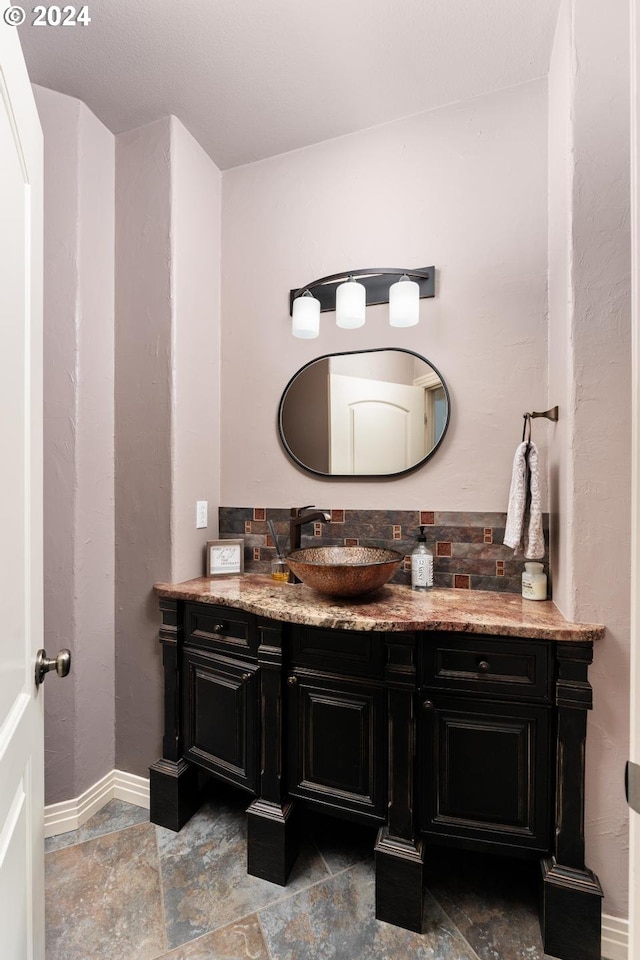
x,y
468,552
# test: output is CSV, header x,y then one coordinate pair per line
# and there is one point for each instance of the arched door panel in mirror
x,y
373,413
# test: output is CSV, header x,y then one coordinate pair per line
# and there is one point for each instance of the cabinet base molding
x,y
571,912
272,840
399,881
174,793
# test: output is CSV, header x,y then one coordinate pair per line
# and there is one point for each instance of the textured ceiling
x,y
254,78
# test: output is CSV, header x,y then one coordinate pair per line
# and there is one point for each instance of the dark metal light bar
x,y
372,278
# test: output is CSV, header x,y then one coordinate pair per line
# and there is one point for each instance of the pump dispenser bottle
x,y
421,565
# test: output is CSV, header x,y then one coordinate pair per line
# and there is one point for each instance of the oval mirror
x,y
374,413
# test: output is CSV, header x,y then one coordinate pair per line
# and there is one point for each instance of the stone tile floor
x,y
123,889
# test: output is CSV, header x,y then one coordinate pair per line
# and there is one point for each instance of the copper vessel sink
x,y
344,571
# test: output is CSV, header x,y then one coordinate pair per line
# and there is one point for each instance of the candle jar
x,y
534,582
279,570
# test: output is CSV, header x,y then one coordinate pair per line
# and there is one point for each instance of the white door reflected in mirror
x,y
371,413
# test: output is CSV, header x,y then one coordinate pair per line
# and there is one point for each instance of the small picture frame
x,y
225,558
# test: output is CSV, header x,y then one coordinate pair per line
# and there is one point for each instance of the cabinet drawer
x,y
354,652
221,628
507,668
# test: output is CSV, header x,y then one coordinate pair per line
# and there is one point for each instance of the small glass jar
x,y
279,570
534,582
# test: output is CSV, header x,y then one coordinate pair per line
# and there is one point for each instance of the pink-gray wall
x,y
119,518
463,187
78,442
142,431
167,401
590,376
195,258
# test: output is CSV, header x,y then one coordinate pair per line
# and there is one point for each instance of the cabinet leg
x,y
399,881
174,793
272,841
571,912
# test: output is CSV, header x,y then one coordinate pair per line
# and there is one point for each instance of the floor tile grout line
x,y
264,938
272,903
97,836
454,925
457,932
330,875
162,910
295,893
208,933
319,851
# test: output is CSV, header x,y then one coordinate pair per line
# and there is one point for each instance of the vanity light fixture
x,y
305,316
404,303
351,303
350,297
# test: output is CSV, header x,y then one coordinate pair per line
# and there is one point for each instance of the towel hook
x,y
551,414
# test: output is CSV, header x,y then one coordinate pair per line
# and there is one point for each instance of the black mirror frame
x,y
366,476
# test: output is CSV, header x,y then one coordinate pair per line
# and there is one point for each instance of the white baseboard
x,y
615,938
129,787
116,785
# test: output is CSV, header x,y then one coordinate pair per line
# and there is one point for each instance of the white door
x,y
21,713
376,427
634,750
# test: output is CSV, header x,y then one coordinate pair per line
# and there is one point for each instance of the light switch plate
x,y
202,507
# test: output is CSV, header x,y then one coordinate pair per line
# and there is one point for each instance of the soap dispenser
x,y
421,564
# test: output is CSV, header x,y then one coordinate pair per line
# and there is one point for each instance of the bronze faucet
x,y
298,519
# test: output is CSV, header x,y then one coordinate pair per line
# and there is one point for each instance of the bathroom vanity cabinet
x,y
456,718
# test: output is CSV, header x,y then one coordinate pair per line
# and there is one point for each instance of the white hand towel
x,y
524,514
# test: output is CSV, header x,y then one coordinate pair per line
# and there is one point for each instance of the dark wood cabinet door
x,y
337,746
485,772
221,716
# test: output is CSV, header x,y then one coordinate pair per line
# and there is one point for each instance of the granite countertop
x,y
392,608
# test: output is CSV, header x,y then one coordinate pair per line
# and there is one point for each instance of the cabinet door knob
x,y
292,681
483,666
427,705
246,676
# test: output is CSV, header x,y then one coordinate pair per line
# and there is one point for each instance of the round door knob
x,y
61,664
483,667
292,681
427,705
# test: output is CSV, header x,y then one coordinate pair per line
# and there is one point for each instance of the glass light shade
x,y
351,305
404,303
305,321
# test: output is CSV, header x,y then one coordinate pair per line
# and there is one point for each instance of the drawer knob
x,y
292,680
246,676
483,666
427,705
218,627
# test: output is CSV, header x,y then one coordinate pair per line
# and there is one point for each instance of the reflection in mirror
x,y
374,413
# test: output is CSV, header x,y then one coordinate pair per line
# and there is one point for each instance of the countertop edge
x,y
475,611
